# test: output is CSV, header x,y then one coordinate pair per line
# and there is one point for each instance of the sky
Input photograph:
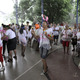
x,y
6,8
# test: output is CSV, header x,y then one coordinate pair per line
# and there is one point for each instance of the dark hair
x,y
22,26
30,28
3,25
27,22
21,30
12,23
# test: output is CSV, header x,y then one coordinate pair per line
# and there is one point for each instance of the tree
x,y
26,9
56,10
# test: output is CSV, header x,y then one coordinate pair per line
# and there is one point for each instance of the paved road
x,y
28,68
62,67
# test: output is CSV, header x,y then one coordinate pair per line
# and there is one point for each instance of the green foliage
x,y
79,7
56,10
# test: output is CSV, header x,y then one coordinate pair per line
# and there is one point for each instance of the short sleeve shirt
x,y
66,36
56,32
44,41
10,34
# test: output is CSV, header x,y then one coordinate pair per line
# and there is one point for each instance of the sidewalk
x,y
76,60
62,67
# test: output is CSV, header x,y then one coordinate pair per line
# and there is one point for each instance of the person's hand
x,y
45,33
54,29
33,32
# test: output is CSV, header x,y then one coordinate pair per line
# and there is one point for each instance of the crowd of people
x,y
44,34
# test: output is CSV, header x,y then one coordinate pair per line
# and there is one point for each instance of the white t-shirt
x,y
78,36
26,28
51,29
13,26
10,34
56,32
43,39
74,32
66,36
0,40
22,37
29,35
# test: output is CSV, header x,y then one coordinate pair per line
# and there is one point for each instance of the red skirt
x,y
1,58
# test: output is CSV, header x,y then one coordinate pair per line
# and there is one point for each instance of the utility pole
x,y
77,14
42,9
16,11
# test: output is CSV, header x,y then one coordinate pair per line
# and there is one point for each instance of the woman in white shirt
x,y
22,40
11,42
66,38
56,34
29,35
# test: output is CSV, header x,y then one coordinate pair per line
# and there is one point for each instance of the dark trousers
x,y
4,46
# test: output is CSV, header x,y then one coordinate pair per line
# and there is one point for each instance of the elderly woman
x,y
66,38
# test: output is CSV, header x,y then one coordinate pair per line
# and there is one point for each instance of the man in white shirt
x,y
56,34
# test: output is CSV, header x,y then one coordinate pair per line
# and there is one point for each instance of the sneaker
x,y
23,55
43,73
2,69
10,60
73,50
77,55
15,57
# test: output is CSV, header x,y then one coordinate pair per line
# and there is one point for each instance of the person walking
x,y
74,38
22,40
66,38
44,44
56,34
11,42
1,58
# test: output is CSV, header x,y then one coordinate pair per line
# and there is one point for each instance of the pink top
x,y
45,19
4,31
